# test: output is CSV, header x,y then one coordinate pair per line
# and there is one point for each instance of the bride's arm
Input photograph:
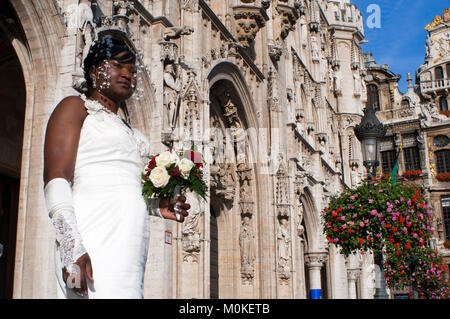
x,y
60,150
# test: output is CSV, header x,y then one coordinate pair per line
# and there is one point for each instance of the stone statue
x,y
85,36
428,44
337,81
314,49
247,249
176,32
284,249
430,113
300,228
190,233
356,84
172,88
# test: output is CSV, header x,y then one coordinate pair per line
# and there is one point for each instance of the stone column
x,y
314,263
352,277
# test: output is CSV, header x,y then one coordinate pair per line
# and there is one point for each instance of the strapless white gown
x,y
112,216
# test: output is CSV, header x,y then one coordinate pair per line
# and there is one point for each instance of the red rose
x,y
175,172
407,246
152,163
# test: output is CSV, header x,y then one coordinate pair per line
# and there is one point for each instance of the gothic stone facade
x,y
269,91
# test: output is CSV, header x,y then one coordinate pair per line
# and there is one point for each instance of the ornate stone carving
x,y
176,32
190,5
284,250
169,51
249,20
172,88
300,227
430,114
316,259
247,250
275,52
288,18
190,233
85,36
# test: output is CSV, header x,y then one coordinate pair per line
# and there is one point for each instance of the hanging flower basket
x,y
393,219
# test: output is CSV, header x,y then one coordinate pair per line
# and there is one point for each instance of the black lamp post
x,y
369,132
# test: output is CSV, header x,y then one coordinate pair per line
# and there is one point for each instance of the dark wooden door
x,y
214,257
9,195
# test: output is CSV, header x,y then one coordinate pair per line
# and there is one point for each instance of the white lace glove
x,y
153,207
58,197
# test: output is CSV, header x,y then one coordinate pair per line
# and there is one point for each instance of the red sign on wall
x,y
168,237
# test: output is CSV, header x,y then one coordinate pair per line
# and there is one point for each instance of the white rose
x,y
165,159
159,177
185,166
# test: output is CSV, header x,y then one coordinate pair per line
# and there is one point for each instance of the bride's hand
x,y
84,262
169,210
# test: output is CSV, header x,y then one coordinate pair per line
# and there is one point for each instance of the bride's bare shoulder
x,y
70,107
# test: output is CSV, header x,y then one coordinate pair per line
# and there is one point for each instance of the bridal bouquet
x,y
171,172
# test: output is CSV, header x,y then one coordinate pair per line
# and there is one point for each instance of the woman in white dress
x,y
93,162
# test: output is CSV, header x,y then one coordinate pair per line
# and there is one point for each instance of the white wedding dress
x,y
112,216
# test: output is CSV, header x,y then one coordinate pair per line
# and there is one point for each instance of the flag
x,y
393,177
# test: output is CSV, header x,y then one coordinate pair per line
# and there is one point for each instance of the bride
x,y
93,161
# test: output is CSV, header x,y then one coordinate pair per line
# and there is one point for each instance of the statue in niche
x,y
314,49
85,36
247,249
246,193
284,248
356,84
172,88
300,228
190,233
337,82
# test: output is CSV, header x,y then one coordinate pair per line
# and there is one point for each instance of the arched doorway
x,y
12,116
233,185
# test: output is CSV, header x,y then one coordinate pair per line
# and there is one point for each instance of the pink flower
x,y
361,224
370,201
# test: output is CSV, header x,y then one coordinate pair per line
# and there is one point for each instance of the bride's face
x,y
117,79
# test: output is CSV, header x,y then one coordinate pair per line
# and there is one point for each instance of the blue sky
x,y
400,41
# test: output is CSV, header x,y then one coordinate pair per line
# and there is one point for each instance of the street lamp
x,y
369,132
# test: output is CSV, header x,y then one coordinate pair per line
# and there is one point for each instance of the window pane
x,y
442,161
412,158
372,97
439,73
388,161
443,105
445,203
